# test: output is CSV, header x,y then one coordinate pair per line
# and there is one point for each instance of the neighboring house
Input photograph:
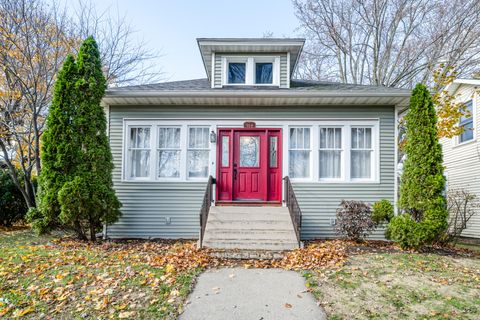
x,y
461,154
249,125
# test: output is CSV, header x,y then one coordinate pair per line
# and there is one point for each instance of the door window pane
x,y
168,165
330,154
236,72
249,151
273,151
225,151
361,153
299,153
264,72
198,152
139,153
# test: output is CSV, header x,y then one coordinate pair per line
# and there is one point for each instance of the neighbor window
x,y
467,123
236,72
361,153
168,152
198,152
330,154
299,153
263,73
139,152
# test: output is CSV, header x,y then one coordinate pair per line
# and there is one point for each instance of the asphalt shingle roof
x,y
295,85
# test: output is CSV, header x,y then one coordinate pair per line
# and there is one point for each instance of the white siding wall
x,y
462,162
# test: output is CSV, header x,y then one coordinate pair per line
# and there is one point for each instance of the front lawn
x,y
400,286
41,277
51,277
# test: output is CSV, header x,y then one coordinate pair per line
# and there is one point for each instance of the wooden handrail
x,y
293,208
206,203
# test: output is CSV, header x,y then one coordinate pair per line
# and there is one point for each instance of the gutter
x,y
252,94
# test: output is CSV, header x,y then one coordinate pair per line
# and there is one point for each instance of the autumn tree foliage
x,y
76,188
36,36
422,182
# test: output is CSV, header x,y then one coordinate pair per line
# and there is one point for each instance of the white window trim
x,y
157,149
283,123
250,69
342,155
209,149
346,146
474,123
126,152
154,125
287,135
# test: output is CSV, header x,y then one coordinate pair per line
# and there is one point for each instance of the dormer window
x,y
236,72
253,71
263,73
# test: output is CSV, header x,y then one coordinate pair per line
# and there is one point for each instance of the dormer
x,y
250,62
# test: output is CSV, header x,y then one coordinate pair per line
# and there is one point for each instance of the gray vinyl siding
x,y
217,71
284,72
146,205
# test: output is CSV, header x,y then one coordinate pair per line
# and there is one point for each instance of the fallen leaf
x,y
288,305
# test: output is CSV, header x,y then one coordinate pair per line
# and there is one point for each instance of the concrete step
x,y
254,236
250,228
246,244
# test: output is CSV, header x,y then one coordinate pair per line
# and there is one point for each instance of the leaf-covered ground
x,y
400,285
53,277
41,277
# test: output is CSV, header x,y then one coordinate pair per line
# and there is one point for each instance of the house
x,y
461,154
271,143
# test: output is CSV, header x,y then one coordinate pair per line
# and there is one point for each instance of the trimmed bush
x,y
354,220
12,203
382,212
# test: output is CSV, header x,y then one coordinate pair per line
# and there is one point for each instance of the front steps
x,y
249,229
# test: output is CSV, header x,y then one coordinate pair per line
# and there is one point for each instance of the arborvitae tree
x,y
59,151
88,200
422,183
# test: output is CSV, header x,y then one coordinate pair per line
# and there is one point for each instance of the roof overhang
x,y
256,98
453,87
208,46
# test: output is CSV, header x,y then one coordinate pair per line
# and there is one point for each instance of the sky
x,y
172,27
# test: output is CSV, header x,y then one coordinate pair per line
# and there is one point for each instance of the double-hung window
x,y
330,154
299,153
139,152
198,152
466,122
361,153
169,152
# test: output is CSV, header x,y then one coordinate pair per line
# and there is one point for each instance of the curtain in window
x,y
169,152
236,72
139,152
198,152
361,153
299,153
263,73
330,155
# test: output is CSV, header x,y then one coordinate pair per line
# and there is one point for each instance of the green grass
x,y
400,286
40,276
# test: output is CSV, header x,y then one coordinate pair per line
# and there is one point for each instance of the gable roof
x,y
208,46
301,92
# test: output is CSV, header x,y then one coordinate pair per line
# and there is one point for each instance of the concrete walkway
x,y
251,294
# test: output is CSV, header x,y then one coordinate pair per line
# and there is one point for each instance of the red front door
x,y
249,165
